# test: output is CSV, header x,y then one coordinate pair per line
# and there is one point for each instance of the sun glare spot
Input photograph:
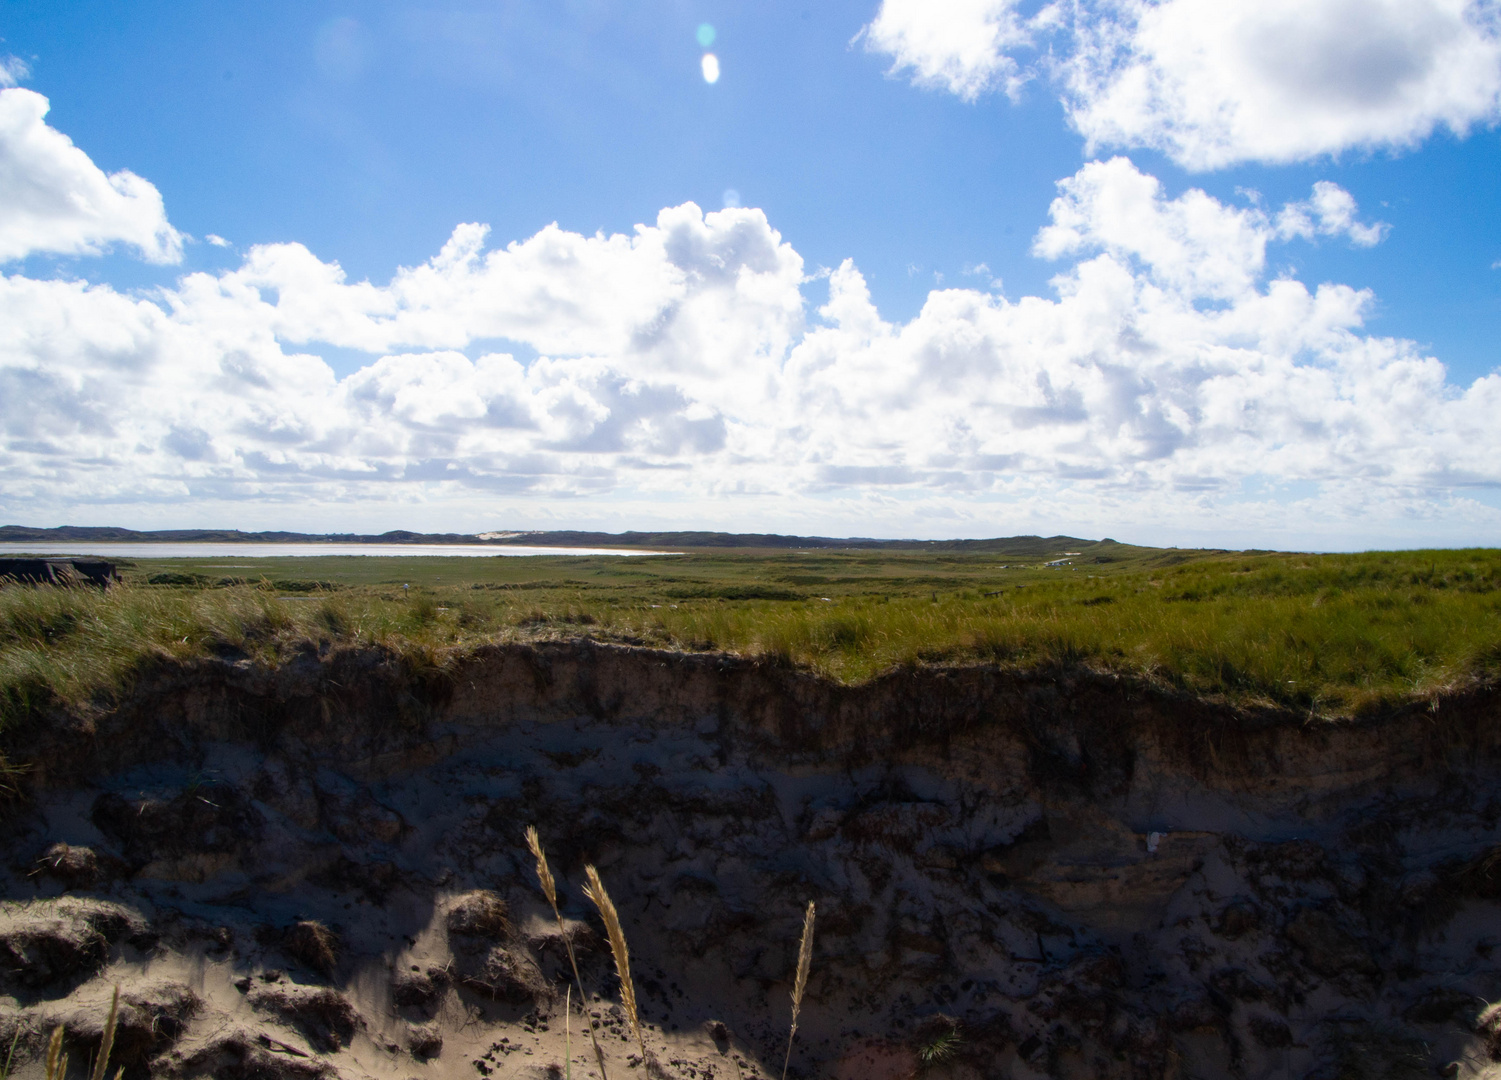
x,y
705,35
710,64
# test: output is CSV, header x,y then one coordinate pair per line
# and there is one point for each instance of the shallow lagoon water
x,y
263,551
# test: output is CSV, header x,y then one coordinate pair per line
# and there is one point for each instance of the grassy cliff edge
x,y
1328,635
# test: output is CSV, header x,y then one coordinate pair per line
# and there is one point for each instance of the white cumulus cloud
x,y
1166,388
54,199
1129,385
1216,82
963,46
204,391
1194,243
1329,211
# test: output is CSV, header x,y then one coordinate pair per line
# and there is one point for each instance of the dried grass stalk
x,y
107,1043
10,777
56,1067
57,1061
804,962
595,891
16,1038
550,890
544,872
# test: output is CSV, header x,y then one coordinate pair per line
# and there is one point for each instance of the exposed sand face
x,y
323,872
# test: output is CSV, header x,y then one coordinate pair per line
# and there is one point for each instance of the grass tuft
x,y
939,1043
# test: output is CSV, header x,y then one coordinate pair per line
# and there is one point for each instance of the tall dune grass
x,y
1323,633
71,644
1325,646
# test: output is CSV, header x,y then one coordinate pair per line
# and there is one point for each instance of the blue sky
x,y
908,153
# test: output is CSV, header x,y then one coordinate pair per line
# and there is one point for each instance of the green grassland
x,y
1325,634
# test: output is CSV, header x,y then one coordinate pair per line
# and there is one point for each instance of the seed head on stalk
x,y
107,1044
550,890
595,891
57,1061
804,962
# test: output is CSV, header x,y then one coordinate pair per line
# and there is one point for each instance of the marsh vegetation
x,y
1324,633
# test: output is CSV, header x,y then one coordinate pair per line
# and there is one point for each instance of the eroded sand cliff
x,y
321,871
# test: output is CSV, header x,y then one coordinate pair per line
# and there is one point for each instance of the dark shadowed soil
x,y
320,871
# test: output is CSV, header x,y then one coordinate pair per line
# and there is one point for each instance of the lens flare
x,y
705,35
710,64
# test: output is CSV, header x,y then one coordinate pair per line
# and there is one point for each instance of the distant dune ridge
x,y
1019,546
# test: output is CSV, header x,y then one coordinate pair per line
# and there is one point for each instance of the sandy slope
x,y
1079,876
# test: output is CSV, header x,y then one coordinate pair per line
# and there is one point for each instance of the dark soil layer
x,y
320,871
